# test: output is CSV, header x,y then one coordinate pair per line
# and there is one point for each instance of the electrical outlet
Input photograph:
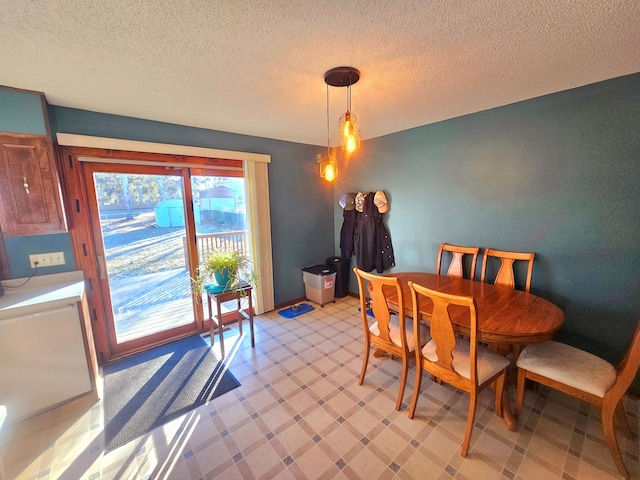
x,y
47,259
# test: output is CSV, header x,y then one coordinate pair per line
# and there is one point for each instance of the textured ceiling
x,y
256,67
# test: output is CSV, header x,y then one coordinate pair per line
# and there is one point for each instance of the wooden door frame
x,y
76,198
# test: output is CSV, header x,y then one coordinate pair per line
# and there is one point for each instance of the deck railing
x,y
209,242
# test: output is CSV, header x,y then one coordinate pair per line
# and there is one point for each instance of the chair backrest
x,y
456,267
506,273
628,368
380,287
443,333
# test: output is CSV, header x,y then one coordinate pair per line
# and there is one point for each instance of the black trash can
x,y
342,266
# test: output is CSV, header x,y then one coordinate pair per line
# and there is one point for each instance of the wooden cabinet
x,y
31,202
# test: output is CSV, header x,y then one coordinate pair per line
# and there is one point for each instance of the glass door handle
x,y
101,267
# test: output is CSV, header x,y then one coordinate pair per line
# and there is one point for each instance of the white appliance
x,y
42,360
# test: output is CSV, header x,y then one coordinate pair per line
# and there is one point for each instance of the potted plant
x,y
228,269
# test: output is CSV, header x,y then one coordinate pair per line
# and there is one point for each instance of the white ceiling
x,y
257,67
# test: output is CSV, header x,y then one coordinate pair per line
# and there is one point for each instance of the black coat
x,y
372,242
347,232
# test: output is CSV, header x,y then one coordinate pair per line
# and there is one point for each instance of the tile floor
x,y
300,414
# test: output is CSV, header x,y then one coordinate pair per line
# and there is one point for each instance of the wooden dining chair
x,y
455,360
586,377
456,268
506,276
391,331
506,273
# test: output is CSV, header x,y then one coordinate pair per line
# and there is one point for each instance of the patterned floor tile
x,y
300,414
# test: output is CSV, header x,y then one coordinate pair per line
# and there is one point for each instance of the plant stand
x,y
220,295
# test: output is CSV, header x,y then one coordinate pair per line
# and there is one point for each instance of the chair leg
x,y
416,389
470,419
500,381
522,378
608,413
623,423
403,381
365,361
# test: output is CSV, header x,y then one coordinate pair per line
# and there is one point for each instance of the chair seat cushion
x,y
489,362
394,332
568,365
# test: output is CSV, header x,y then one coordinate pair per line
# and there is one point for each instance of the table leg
x,y
510,421
507,415
253,343
239,315
212,335
220,328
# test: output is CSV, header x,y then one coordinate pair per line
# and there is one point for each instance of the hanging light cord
x,y
328,131
349,94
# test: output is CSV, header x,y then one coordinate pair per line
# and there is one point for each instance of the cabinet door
x,y
29,187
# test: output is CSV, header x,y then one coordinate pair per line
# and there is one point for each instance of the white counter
x,y
56,290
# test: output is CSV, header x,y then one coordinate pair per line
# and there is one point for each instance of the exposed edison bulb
x,y
329,173
346,130
351,143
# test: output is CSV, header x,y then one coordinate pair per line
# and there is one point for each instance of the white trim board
x,y
73,140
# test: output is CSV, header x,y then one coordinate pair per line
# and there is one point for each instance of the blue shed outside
x,y
170,213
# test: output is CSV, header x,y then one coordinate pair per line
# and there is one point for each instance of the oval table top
x,y
504,315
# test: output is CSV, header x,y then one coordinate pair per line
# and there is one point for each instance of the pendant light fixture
x,y
328,163
348,127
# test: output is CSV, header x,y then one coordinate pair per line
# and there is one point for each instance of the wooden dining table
x,y
505,316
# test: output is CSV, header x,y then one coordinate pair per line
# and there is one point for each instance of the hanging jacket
x,y
347,232
372,242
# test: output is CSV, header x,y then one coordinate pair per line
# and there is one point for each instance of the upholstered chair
x,y
391,332
586,377
458,361
505,275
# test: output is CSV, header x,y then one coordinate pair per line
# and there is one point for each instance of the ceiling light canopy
x,y
342,76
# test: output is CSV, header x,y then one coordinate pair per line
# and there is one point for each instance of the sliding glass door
x,y
142,218
139,224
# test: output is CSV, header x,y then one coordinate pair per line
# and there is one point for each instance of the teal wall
x,y
19,248
21,112
557,175
301,204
